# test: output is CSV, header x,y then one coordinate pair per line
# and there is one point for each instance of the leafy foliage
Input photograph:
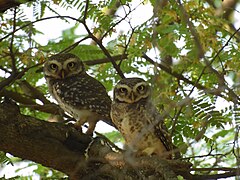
x,y
193,64
4,159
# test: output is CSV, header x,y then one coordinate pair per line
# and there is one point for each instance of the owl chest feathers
x,y
138,131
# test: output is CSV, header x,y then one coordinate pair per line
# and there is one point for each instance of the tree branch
x,y
181,77
7,4
69,48
14,68
192,30
30,103
32,92
29,138
15,76
38,20
214,176
77,154
105,51
105,60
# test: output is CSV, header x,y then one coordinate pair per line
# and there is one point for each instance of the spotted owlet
x,y
76,92
138,120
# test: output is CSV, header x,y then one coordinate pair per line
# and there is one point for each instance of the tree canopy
x,y
187,50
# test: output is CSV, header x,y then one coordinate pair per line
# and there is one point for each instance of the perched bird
x,y
77,93
138,120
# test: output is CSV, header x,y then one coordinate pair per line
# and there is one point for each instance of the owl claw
x,y
91,128
89,132
78,128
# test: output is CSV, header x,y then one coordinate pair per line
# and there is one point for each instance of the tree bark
x,y
78,155
54,145
63,148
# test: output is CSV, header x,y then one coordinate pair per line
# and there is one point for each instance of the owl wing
x,y
85,92
98,96
160,129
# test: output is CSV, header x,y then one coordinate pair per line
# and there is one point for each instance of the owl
x,y
77,93
138,120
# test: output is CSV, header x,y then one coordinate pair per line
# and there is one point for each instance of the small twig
x,y
192,29
15,76
123,18
69,48
201,51
14,69
105,51
106,60
32,92
5,69
181,77
208,65
128,42
214,169
206,155
85,11
38,20
175,119
30,103
214,176
236,142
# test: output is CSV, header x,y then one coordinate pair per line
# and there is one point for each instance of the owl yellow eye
x,y
141,88
122,90
53,66
71,64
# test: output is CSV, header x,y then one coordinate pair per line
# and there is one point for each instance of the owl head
x,y
132,90
62,66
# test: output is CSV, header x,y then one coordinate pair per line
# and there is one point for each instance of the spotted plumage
x,y
138,120
76,92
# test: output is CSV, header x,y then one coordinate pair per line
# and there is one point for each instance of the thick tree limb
x,y
63,148
52,144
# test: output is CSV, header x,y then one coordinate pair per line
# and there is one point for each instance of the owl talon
x,y
89,132
91,128
78,128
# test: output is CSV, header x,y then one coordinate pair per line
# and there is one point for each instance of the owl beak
x,y
62,74
132,97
